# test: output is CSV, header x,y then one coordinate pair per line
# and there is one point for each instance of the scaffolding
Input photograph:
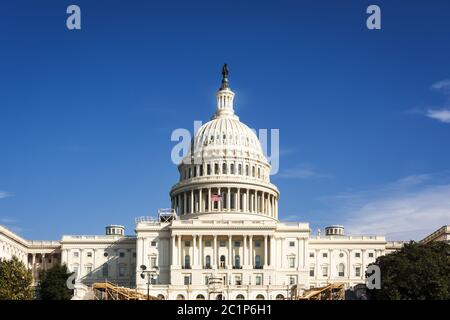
x,y
332,291
215,288
110,291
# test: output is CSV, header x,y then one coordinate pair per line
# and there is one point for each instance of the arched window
x,y
232,168
257,261
200,297
259,297
246,170
161,297
219,297
216,168
187,261
237,261
180,297
279,297
341,270
239,168
240,297
208,262
224,168
259,172
253,171
222,261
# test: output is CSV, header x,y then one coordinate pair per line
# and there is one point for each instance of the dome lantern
x,y
225,97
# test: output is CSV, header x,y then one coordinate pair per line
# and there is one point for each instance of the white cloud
x,y
442,86
300,173
409,208
4,194
442,115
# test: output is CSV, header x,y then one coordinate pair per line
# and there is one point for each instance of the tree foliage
x,y
53,284
15,280
416,272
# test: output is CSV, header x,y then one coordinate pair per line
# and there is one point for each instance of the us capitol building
x,y
221,239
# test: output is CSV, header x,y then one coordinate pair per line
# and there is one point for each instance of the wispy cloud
x,y
5,194
439,113
406,209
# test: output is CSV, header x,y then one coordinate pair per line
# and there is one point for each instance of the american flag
x,y
216,197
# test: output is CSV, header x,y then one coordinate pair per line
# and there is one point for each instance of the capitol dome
x,y
226,170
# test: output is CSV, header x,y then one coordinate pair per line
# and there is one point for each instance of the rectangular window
x,y
222,243
121,254
122,271
291,244
187,280
258,280
206,280
292,280
88,269
187,243
311,254
208,169
324,271
311,271
325,255
257,244
291,262
76,254
216,168
357,255
237,244
207,243
153,244
153,262
370,254
358,272
238,280
89,254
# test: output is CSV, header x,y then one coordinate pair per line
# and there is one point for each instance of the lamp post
x,y
151,274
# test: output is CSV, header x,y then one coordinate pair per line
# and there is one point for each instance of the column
x,y
272,252
215,253
244,255
179,204
200,250
251,252
192,201
230,252
179,251
200,202
247,201
81,269
174,251
219,204
194,253
298,253
228,199
33,266
44,262
265,251
184,203
238,202
209,200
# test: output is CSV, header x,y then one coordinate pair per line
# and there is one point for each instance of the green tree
x,y
416,272
53,284
15,280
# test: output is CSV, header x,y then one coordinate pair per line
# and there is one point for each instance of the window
x,y
341,270
216,168
207,243
75,269
121,254
325,255
257,244
246,170
311,254
232,168
341,255
258,280
222,262
187,243
206,280
153,243
208,169
89,254
238,280
208,262
311,271
239,169
257,261
253,171
357,255
237,261
357,271
187,261
122,270
292,280
153,262
134,254
237,244
224,168
187,280
222,243
291,261
240,297
88,269
370,254
324,271
76,254
291,244
105,254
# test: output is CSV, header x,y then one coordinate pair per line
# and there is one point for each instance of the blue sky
x,y
86,116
